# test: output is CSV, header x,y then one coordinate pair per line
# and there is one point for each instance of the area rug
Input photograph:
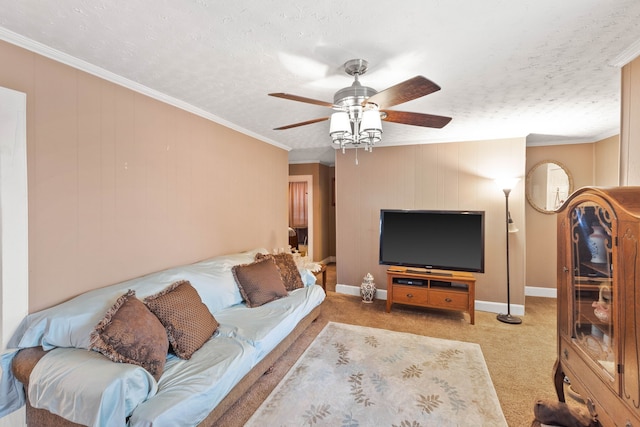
x,y
359,376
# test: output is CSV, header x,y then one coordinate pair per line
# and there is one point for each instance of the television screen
x,y
444,240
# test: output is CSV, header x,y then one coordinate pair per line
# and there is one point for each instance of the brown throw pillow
x,y
288,270
130,333
259,282
188,322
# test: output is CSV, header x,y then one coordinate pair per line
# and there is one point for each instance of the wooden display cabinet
x,y
445,290
598,300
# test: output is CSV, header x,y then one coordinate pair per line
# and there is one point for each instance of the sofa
x,y
176,347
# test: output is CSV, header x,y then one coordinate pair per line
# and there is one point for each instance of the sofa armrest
x,y
24,362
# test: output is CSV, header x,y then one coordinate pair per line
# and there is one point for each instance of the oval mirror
x,y
548,185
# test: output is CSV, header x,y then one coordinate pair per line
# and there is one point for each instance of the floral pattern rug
x,y
358,376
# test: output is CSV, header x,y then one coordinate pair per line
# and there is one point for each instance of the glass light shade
x,y
371,122
506,183
340,124
370,128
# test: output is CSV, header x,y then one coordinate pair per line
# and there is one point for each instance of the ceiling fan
x,y
359,109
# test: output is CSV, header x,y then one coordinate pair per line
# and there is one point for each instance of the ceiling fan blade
x,y
416,119
403,92
308,122
301,99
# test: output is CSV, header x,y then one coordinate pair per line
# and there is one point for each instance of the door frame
x,y
309,180
14,221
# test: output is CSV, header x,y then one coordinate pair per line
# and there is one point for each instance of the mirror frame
x,y
530,177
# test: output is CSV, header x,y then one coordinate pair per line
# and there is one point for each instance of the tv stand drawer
x,y
410,295
449,300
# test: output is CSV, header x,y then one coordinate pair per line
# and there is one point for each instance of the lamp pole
x,y
508,318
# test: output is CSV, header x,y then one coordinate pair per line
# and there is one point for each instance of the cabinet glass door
x,y
593,286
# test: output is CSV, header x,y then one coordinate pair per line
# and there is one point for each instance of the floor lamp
x,y
506,186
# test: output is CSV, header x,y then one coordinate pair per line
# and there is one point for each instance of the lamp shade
x,y
370,128
340,124
506,183
371,121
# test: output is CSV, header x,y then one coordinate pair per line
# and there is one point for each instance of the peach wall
x,y
630,127
607,162
454,176
121,185
541,237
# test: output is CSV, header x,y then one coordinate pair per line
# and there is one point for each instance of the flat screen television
x,y
430,239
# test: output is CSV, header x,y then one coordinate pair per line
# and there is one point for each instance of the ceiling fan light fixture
x,y
356,127
361,109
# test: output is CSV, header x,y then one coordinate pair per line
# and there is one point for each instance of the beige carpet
x,y
355,376
520,358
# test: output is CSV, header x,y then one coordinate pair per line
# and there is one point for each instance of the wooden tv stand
x,y
446,290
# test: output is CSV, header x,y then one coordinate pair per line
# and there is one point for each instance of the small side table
x,y
323,270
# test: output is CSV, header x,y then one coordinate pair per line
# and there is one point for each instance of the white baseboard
x,y
355,290
532,291
499,307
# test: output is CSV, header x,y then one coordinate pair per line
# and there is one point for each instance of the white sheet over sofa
x,y
241,341
87,388
258,335
272,322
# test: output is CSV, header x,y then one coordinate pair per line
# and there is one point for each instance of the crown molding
x,y
569,141
56,55
627,55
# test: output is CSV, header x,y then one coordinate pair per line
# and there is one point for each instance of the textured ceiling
x,y
546,69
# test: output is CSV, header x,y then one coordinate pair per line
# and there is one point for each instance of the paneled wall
x,y
589,164
540,233
121,185
453,176
630,126
606,155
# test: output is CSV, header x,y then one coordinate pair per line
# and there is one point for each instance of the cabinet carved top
x,y
622,199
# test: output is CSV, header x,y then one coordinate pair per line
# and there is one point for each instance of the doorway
x,y
300,196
